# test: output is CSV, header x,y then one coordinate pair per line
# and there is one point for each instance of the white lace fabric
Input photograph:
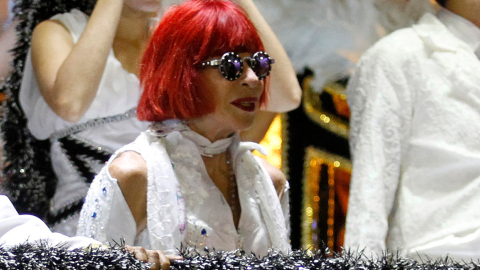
x,y
415,124
183,204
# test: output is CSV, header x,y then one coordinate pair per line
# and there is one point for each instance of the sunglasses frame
x,y
220,63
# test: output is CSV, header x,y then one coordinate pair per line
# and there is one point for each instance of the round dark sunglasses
x,y
231,65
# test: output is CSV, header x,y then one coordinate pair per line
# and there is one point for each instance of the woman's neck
x,y
208,130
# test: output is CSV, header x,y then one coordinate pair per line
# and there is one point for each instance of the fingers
x,y
157,258
160,259
164,261
174,257
139,252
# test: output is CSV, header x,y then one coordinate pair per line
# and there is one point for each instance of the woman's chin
x,y
144,6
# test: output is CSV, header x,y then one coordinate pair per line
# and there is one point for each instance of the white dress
x,y
415,129
108,124
18,229
183,204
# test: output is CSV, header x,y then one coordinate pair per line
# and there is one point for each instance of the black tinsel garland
x,y
30,181
43,256
305,259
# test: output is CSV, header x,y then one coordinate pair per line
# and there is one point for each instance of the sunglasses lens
x,y
232,66
262,65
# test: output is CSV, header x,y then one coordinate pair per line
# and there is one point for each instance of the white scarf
x,y
168,234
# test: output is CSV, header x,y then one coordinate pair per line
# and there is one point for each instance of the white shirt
x,y
415,102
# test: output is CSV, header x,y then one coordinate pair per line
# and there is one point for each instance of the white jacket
x,y
415,142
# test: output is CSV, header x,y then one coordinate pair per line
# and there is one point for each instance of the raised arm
x,y
285,92
7,43
69,74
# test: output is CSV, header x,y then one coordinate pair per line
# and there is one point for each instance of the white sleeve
x,y
380,104
18,229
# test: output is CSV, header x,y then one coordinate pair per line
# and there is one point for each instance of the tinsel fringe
x,y
43,256
30,181
321,259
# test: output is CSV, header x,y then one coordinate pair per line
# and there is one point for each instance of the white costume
x,y
415,129
183,203
108,124
18,229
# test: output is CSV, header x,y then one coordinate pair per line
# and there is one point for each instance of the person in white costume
x,y
80,90
188,179
415,103
18,229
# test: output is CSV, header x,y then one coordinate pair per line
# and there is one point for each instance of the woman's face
x,y
144,5
236,102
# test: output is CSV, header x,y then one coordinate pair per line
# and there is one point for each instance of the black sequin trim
x,y
75,149
65,213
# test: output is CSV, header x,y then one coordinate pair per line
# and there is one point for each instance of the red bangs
x,y
187,35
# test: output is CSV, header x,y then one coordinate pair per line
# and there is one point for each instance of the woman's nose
x,y
249,78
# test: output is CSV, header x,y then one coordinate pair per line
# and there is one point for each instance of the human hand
x,y
157,258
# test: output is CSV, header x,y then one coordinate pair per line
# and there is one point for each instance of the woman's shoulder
x,y
398,46
128,165
130,160
73,22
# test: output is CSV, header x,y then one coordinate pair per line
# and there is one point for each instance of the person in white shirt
x,y
415,126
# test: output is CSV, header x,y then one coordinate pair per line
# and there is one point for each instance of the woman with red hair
x,y
188,179
79,92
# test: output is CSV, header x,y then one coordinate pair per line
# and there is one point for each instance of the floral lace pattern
x,y
414,140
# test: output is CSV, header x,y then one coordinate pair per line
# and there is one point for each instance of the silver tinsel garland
x,y
43,256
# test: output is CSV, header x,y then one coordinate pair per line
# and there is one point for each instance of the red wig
x,y
187,35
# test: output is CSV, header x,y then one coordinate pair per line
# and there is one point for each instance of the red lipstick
x,y
245,104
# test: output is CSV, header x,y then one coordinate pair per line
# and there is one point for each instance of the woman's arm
x,y
68,74
130,170
378,96
285,92
7,43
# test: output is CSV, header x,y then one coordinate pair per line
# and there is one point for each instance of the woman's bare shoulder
x,y
128,165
